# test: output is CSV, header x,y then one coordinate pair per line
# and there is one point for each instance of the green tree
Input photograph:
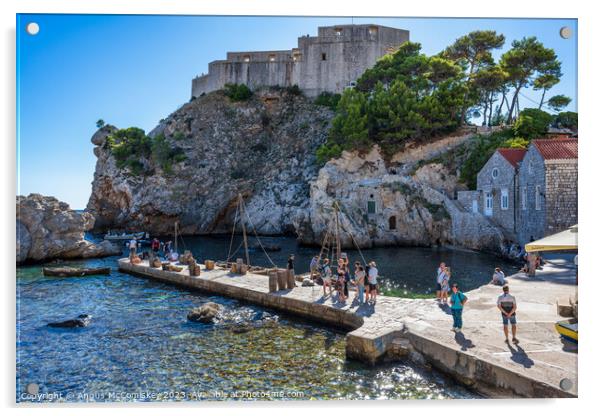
x,y
532,123
558,102
474,52
527,59
567,119
100,123
237,92
489,82
550,76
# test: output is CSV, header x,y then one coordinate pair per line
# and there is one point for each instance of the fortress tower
x,y
327,62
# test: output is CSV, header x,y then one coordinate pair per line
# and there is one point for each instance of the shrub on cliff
x,y
131,146
532,123
405,96
479,152
237,92
328,99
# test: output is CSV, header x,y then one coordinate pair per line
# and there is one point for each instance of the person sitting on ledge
x,y
498,278
326,275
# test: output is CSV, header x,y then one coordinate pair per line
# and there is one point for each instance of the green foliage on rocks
x,y
328,99
532,123
134,150
237,92
481,149
405,96
567,119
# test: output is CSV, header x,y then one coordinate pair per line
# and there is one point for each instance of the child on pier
x,y
457,301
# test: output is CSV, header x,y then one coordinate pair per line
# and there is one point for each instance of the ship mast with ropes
x,y
241,215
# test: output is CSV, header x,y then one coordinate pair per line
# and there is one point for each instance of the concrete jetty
x,y
420,329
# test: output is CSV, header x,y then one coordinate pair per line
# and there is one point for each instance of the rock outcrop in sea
x,y
48,229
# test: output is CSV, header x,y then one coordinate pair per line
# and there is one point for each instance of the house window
x,y
504,199
495,173
538,197
323,56
392,222
530,167
523,198
371,207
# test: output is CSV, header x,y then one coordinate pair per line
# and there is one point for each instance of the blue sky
x,y
135,70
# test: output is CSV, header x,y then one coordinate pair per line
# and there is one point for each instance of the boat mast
x,y
175,236
244,230
337,238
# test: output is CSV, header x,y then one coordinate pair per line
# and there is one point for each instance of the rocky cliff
x,y
263,148
47,229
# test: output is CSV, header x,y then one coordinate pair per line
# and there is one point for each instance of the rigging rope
x,y
232,238
256,235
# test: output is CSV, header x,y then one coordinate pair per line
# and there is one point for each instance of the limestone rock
x,y
205,313
263,148
48,229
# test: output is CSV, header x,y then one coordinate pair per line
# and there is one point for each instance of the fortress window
x,y
272,58
296,57
338,31
246,58
323,56
372,31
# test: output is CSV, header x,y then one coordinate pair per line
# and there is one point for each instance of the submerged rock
x,y
81,321
205,313
49,229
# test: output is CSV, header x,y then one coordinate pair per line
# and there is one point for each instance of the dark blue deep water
x,y
140,346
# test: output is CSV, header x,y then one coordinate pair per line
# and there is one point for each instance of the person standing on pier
x,y
313,267
290,264
440,275
326,275
506,303
360,278
457,301
372,281
446,276
133,247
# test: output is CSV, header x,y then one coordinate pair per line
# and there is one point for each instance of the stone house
x,y
547,188
496,194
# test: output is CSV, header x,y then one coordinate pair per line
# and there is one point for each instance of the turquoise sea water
x,y
140,346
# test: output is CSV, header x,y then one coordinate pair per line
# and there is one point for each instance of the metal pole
x,y
244,230
175,236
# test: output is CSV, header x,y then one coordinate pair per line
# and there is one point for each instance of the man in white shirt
x,y
440,278
133,247
506,303
372,282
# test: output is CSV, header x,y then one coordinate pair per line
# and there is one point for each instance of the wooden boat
x,y
75,271
124,236
568,329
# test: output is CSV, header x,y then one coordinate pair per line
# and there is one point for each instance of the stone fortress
x,y
328,62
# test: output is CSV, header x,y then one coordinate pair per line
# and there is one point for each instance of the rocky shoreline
x,y
49,229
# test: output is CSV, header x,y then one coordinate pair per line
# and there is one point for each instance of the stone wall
x,y
531,221
561,195
503,182
327,62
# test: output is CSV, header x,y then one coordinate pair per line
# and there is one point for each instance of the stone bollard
x,y
273,280
290,279
282,279
191,267
197,270
209,264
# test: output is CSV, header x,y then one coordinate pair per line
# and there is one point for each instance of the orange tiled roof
x,y
561,148
514,156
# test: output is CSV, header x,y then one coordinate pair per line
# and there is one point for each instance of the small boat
x,y
123,236
568,329
75,271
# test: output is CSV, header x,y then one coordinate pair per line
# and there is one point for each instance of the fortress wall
x,y
327,62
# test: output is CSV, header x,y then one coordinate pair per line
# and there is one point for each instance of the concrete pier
x,y
421,329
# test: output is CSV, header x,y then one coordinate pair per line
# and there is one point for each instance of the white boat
x,y
123,236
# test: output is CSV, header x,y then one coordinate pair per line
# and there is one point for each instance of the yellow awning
x,y
564,240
